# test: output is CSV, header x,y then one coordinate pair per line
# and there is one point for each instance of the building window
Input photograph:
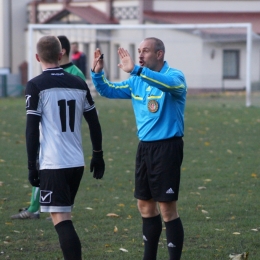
x,y
230,64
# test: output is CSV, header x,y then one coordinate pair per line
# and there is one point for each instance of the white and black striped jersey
x,y
59,99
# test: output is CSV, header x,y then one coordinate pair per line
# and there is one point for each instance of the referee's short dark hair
x,y
65,43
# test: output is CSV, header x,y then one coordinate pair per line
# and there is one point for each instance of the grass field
x,y
219,196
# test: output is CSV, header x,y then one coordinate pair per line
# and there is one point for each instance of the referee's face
x,y
148,57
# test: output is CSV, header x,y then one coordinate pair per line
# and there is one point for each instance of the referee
x,y
158,94
57,101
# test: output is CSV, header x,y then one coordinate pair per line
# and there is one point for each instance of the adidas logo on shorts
x,y
144,238
171,245
170,191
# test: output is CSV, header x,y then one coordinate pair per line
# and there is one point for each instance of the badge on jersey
x,y
45,196
153,106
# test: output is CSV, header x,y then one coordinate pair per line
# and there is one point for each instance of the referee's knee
x,y
148,208
169,210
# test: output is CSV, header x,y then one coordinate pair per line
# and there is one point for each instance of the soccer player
x,y
158,94
65,61
78,57
57,101
32,212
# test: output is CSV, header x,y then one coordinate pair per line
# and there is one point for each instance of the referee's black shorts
x,y
158,168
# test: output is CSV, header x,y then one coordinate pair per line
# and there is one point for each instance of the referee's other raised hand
x,y
126,62
98,62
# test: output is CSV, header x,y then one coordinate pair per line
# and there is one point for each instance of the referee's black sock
x,y
175,236
69,240
152,228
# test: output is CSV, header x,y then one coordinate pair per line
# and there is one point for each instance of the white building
x,y
210,58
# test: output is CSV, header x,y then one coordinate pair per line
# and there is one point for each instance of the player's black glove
x,y
97,164
33,175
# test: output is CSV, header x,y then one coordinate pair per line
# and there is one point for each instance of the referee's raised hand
x,y
98,63
126,63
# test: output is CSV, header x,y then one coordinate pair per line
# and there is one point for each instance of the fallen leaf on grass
x,y
196,193
243,256
115,229
204,211
113,215
89,208
202,188
6,134
254,229
236,233
123,250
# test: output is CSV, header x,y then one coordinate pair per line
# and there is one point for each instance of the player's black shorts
x,y
59,188
158,168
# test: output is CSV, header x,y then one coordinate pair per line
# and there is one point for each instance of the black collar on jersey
x,y
66,65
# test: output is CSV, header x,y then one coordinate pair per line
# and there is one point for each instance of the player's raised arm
x,y
126,63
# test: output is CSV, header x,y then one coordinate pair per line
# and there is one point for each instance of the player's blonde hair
x,y
49,48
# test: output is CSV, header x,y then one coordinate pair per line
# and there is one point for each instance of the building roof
x,y
204,17
88,14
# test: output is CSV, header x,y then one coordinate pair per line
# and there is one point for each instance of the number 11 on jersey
x,y
63,113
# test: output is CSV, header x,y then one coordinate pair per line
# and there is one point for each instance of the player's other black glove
x,y
33,175
97,165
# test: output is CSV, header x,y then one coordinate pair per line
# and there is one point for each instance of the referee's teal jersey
x,y
158,100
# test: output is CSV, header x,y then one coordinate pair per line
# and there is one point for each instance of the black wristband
x,y
139,71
